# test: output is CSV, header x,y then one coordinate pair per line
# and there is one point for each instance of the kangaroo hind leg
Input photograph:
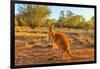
x,y
69,53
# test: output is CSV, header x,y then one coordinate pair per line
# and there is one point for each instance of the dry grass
x,y
38,50
29,34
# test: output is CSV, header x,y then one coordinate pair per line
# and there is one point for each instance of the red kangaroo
x,y
61,40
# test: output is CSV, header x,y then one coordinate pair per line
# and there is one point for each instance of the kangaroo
x,y
61,40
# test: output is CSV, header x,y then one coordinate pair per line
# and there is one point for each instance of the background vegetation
x,y
38,16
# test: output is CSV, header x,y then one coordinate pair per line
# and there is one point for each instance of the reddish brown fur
x,y
60,39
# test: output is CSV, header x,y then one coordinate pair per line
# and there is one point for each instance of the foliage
x,y
16,22
33,16
38,16
70,20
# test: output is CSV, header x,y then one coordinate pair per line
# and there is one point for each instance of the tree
x,y
91,22
69,14
38,15
16,22
21,22
66,18
76,21
34,15
61,21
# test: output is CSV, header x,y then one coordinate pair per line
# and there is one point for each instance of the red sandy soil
x,y
31,56
38,53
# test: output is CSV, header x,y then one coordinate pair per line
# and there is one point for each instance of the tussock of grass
x,y
78,37
22,29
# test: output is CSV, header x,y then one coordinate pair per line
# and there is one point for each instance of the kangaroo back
x,y
62,40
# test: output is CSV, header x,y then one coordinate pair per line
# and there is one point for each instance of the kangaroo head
x,y
51,27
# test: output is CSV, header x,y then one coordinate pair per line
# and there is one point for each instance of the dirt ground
x,y
45,55
38,50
